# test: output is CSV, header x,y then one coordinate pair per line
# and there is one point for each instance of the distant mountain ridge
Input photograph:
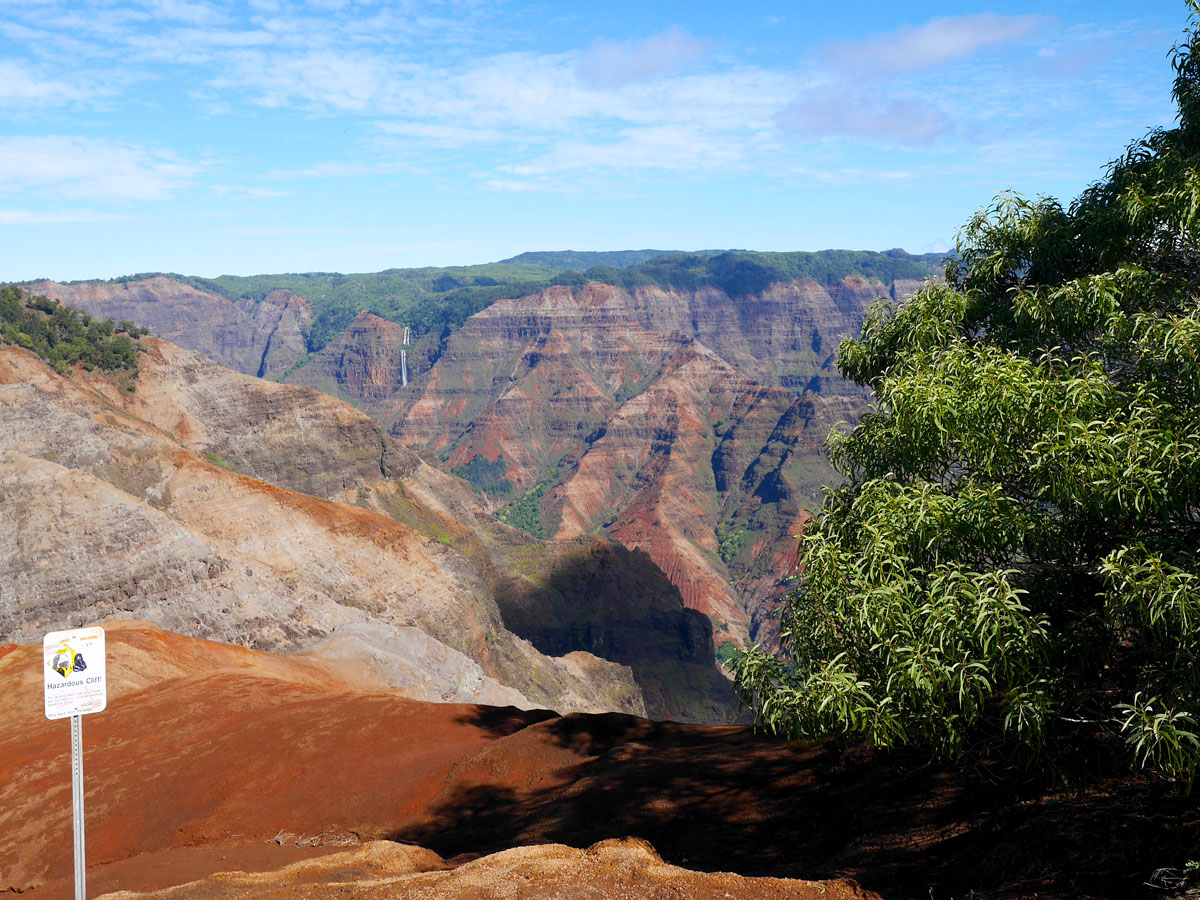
x,y
580,260
437,300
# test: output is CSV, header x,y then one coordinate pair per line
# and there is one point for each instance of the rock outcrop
x,y
615,868
263,339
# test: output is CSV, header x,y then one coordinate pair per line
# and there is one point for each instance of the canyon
x,y
230,507
687,422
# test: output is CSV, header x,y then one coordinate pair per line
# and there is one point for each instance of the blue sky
x,y
211,137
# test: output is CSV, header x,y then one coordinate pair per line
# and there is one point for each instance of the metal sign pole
x,y
75,685
77,805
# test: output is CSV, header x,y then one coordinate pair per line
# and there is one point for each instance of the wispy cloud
x,y
463,94
666,147
610,64
323,79
844,112
884,88
933,43
21,83
443,135
91,168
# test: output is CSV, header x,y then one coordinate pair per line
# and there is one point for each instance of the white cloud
x,y
52,217
868,88
936,42
664,147
91,168
20,85
844,112
608,64
443,135
324,79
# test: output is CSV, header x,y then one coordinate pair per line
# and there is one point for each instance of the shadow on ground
x,y
725,798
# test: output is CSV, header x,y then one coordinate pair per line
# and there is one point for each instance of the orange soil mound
x,y
611,870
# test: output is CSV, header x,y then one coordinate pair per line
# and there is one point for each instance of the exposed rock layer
x,y
662,418
262,339
686,423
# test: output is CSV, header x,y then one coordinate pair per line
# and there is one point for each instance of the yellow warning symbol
x,y
64,661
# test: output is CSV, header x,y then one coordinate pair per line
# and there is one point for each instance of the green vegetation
x,y
218,460
727,653
730,540
427,299
740,273
61,336
1012,568
438,300
487,476
579,260
526,511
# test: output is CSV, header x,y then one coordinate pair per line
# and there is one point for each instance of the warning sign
x,y
74,672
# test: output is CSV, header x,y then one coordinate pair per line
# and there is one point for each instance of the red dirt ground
x,y
209,751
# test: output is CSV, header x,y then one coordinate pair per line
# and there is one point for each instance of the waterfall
x,y
404,359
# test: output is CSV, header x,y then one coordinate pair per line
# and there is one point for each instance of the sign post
x,y
75,686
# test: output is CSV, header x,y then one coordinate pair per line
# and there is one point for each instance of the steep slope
x,y
363,363
121,466
262,339
128,521
599,408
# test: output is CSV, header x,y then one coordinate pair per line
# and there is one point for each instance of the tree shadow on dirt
x,y
728,799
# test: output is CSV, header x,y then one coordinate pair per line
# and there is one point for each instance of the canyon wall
x,y
262,339
229,507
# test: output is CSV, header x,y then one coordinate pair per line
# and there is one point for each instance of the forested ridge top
x,y
431,299
587,259
62,336
741,273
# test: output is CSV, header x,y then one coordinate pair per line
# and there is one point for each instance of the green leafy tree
x,y
61,336
1012,567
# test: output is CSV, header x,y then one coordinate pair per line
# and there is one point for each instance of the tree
x,y
1012,566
